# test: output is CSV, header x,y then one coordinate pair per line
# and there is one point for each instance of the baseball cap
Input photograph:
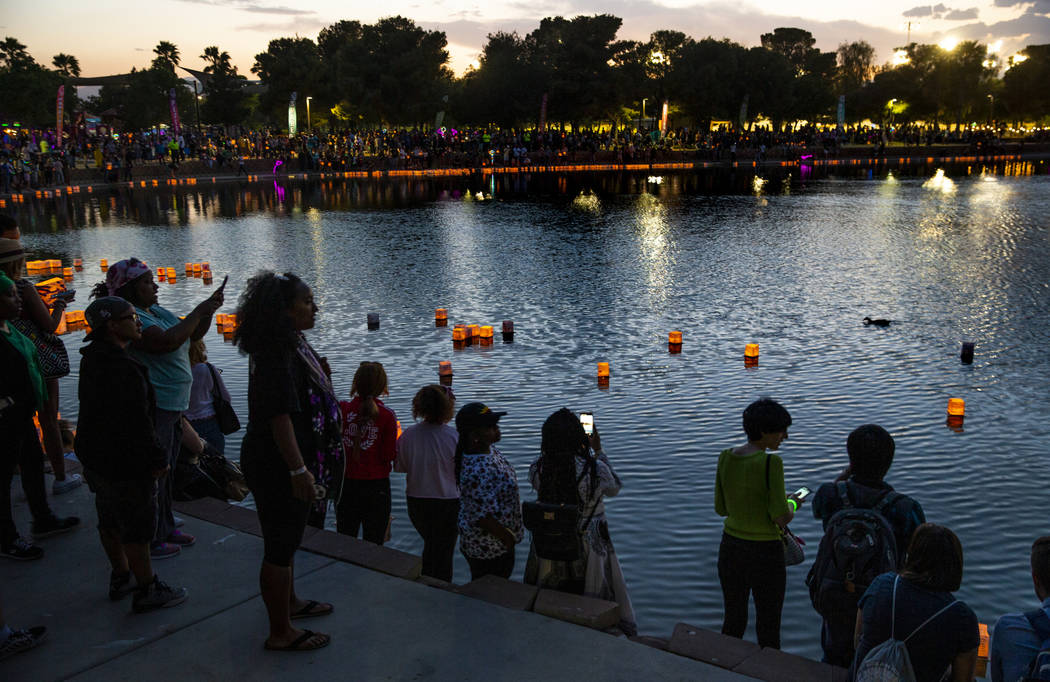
x,y
473,415
102,310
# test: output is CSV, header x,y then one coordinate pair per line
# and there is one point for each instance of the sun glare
x,y
948,43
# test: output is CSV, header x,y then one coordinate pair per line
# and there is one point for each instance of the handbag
x,y
225,416
793,552
51,352
556,535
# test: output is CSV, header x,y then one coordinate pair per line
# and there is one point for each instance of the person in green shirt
x,y
749,493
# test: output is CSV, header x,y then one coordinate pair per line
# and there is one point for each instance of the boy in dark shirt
x,y
870,448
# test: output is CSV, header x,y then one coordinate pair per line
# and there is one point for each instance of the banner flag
x,y
663,119
175,128
291,115
842,111
60,103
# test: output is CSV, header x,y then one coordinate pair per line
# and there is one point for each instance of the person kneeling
x,y
120,452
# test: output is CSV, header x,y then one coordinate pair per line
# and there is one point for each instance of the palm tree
x,y
167,55
218,62
13,53
67,65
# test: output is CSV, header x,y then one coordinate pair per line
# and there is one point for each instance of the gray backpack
x,y
890,661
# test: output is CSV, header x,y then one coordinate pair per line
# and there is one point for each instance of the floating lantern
x,y
189,268
54,264
603,370
205,266
751,350
104,264
459,333
966,355
956,407
62,328
171,275
508,331
444,368
78,264
197,268
162,274
486,335
219,317
229,324
441,314
67,273
373,321
674,342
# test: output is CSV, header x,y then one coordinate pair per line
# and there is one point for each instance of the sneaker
x,y
179,523
54,525
182,539
72,482
22,640
163,550
21,550
157,595
120,585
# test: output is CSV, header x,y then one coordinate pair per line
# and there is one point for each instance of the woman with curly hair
x,y
292,443
572,469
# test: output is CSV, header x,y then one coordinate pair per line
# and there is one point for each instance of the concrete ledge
x,y
345,548
436,582
207,508
654,642
573,608
711,647
773,665
502,592
241,519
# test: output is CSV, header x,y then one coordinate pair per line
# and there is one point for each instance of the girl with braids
x,y
573,469
292,442
370,440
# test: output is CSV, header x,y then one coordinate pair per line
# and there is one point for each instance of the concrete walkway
x,y
383,628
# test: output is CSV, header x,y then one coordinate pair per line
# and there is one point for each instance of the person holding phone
x,y
293,442
164,349
573,469
38,323
749,492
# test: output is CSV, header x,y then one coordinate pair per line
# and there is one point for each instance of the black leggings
x,y
364,503
436,521
748,567
20,447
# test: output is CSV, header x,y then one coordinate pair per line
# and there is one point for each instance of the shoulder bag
x,y
225,417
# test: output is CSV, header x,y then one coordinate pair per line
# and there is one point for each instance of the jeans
x,y
436,521
20,446
208,429
501,566
364,503
167,425
747,567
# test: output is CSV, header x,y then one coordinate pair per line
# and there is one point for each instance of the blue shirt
x,y
169,373
1014,646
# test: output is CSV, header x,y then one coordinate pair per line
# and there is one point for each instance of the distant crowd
x,y
154,413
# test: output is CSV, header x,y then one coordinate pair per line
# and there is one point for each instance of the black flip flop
x,y
297,645
308,610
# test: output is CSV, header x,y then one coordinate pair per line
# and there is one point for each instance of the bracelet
x,y
298,472
794,505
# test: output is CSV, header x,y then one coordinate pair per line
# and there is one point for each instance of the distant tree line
x,y
396,73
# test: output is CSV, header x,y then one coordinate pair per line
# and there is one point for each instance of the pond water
x,y
600,267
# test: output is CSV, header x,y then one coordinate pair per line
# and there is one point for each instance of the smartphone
x,y
68,294
587,419
802,493
222,286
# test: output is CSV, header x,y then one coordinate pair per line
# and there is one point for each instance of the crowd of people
x,y
33,159
882,576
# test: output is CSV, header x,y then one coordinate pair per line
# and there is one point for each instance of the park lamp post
x,y
309,127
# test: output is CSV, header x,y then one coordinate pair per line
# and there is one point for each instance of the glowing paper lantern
x,y
486,335
751,350
956,407
171,275
444,368
441,314
67,273
603,370
78,264
674,337
162,274
104,264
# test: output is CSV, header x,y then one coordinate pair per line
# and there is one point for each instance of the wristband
x,y
298,472
794,504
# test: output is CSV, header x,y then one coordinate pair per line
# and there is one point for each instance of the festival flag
x,y
60,103
173,105
842,111
291,115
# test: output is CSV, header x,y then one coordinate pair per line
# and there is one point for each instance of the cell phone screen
x,y
587,419
802,493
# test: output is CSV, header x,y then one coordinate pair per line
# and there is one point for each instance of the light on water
x,y
597,268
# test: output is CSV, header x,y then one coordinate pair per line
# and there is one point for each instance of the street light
x,y
308,126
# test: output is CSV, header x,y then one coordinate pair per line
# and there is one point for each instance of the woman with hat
x,y
164,350
22,393
38,324
120,452
489,506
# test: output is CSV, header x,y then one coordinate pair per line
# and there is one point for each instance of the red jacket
x,y
378,442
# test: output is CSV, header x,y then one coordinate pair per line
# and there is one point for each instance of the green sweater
x,y
744,498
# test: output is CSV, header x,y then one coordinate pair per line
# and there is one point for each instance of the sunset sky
x,y
111,36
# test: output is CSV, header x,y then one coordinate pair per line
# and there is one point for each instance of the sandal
x,y
300,643
311,609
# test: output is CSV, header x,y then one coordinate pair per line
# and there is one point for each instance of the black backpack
x,y
556,528
857,547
